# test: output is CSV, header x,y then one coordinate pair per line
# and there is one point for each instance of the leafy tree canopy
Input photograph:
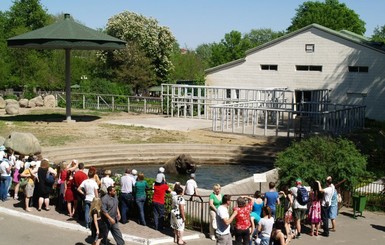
x,y
331,14
317,157
379,34
154,40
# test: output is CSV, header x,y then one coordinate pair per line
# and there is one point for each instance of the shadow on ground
x,y
55,117
378,227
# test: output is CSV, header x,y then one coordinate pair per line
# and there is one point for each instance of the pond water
x,y
206,175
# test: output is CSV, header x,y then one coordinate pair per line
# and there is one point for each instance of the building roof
x,y
344,34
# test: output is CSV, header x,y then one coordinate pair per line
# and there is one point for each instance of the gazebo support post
x,y
68,84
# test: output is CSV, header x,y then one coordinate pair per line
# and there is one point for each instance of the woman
x,y
140,196
177,215
18,169
44,187
277,235
315,209
258,204
333,211
243,220
265,226
29,188
68,192
98,227
288,203
215,200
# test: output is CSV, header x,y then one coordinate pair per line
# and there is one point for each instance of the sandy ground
x,y
97,128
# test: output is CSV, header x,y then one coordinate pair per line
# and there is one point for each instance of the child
x,y
160,177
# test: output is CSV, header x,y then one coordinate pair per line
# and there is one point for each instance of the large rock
x,y
32,103
50,101
39,101
12,109
23,103
23,143
11,102
182,164
2,103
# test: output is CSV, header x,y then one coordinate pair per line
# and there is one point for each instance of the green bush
x,y
317,157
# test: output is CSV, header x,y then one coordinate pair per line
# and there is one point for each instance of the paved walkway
x,y
369,229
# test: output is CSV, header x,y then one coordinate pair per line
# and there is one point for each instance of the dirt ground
x,y
92,128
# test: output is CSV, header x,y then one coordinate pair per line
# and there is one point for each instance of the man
x,y
299,210
126,197
79,177
158,204
325,204
191,186
111,216
89,189
223,222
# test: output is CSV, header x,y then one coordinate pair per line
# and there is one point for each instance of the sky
x,y
195,22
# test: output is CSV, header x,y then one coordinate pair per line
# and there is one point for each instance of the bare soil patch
x,y
91,128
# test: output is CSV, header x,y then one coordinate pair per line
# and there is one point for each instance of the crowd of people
x,y
83,195
255,217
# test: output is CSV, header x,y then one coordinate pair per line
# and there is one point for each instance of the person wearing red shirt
x,y
158,204
79,177
243,220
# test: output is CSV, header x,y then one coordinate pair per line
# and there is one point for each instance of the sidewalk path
x,y
367,230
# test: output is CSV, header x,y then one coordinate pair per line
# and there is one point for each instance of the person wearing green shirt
x,y
140,196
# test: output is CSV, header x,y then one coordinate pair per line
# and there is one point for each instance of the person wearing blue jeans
x,y
126,201
126,197
5,181
89,189
140,196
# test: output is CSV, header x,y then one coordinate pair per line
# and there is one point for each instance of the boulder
x,y
50,101
11,102
39,101
12,109
23,143
2,103
182,164
23,103
32,103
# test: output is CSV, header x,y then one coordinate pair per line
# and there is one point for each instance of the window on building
x,y
309,48
308,68
358,69
228,93
269,67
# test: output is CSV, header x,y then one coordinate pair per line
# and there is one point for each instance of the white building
x,y
310,61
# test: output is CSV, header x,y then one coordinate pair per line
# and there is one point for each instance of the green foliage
x,y
103,86
187,66
331,14
317,157
379,34
154,40
10,96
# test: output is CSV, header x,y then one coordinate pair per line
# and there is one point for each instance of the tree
x,y
258,37
155,41
317,157
187,66
331,14
379,34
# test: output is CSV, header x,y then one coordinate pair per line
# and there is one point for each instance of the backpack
x,y
302,195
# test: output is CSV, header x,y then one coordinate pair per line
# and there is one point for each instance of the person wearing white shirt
x,y
223,222
127,182
5,179
88,188
325,204
191,186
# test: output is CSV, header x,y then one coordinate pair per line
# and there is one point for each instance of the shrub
x,y
317,157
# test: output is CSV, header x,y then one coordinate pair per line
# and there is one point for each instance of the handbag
x,y
49,179
23,182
